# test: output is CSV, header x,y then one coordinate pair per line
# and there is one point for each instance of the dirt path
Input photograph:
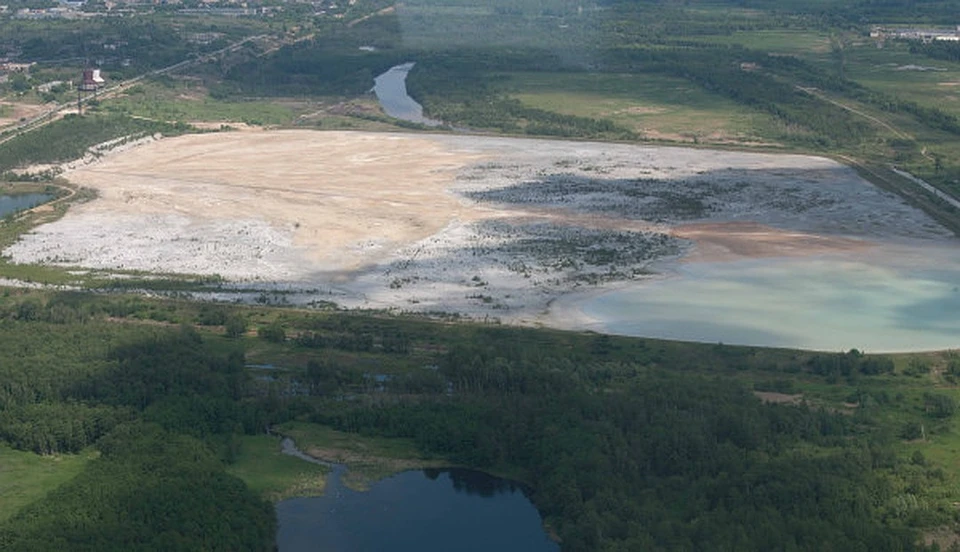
x,y
814,92
49,206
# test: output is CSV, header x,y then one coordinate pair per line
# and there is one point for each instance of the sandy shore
x,y
483,226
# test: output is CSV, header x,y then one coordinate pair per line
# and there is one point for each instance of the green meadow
x,y
26,477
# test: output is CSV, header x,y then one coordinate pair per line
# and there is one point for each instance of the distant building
x,y
92,81
11,67
48,87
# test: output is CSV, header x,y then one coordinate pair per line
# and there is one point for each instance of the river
x,y
413,511
391,90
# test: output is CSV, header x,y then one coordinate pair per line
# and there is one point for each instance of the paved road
x,y
928,187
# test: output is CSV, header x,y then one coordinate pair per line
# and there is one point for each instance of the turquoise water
x,y
894,299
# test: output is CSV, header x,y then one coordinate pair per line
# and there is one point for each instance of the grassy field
x,y
25,476
894,70
170,101
275,475
657,106
368,459
778,41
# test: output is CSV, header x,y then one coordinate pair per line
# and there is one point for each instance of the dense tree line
x,y
149,490
321,67
667,463
161,405
937,49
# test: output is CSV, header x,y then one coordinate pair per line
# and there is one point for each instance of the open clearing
x,y
654,106
469,224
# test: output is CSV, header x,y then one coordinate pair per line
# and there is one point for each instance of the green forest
x,y
627,443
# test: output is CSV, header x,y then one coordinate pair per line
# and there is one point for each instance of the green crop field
x,y
894,70
779,41
657,106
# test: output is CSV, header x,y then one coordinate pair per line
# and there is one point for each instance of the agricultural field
x,y
894,70
799,42
653,106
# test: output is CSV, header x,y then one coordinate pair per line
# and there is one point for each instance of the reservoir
x,y
415,511
895,299
18,202
391,90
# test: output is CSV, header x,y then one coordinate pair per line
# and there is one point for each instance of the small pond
x,y
18,202
391,91
415,511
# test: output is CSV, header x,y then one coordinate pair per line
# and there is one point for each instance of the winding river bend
x,y
391,91
413,511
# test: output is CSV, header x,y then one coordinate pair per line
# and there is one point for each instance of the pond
x,y
897,299
18,202
391,91
415,511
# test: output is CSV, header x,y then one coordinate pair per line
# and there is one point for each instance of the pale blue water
x,y
897,298
18,202
415,511
391,91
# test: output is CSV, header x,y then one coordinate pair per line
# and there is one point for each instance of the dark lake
x,y
416,511
18,202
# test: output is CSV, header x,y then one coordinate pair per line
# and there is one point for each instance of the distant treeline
x,y
937,49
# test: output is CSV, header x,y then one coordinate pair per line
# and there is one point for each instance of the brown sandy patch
x,y
20,111
640,110
945,537
217,125
778,398
725,241
346,197
652,134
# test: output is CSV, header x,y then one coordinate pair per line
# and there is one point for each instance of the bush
x,y
917,368
911,431
939,406
236,325
273,333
